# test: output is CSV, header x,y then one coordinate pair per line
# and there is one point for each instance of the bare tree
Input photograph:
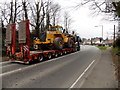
x,y
43,13
52,12
55,9
105,6
111,8
67,21
10,11
25,8
38,15
48,14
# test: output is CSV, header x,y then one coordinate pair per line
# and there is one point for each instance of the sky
x,y
83,21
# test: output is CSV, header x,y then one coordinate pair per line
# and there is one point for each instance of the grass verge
x,y
102,47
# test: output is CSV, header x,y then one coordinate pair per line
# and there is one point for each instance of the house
x,y
96,40
109,42
87,42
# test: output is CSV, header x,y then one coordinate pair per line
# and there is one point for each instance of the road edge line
x,y
54,59
81,75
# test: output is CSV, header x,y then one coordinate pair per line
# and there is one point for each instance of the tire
x,y
56,54
75,50
27,63
35,47
49,56
69,44
40,58
65,52
78,49
58,43
61,53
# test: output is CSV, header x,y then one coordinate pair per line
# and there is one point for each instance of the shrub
x,y
117,43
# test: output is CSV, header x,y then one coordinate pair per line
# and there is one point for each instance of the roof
x,y
109,41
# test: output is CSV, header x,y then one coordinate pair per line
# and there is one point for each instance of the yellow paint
x,y
51,35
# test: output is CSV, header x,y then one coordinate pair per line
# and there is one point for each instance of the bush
x,y
101,44
117,43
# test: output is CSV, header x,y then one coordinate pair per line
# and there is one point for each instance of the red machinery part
x,y
24,39
13,38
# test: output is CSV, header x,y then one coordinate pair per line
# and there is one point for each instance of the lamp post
x,y
102,29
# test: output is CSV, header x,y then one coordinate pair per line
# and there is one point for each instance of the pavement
x,y
102,75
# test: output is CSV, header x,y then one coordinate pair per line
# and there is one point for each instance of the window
x,y
53,29
61,30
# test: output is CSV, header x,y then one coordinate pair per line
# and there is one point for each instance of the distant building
x,y
87,42
109,42
96,40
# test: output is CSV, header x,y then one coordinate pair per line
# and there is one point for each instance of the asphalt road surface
x,y
63,72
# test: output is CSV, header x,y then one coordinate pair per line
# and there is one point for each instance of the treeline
x,y
41,14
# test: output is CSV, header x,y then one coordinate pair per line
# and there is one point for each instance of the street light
x,y
102,29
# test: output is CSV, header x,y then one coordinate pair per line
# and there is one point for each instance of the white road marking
x,y
10,72
6,73
4,62
7,66
81,75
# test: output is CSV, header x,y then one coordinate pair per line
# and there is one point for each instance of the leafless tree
x,y
25,8
48,14
67,21
9,12
55,11
108,7
43,13
38,15
102,6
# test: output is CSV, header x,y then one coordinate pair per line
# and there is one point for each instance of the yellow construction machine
x,y
54,38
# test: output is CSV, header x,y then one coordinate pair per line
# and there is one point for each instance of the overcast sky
x,y
83,21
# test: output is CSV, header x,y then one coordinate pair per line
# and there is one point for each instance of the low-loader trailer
x,y
25,55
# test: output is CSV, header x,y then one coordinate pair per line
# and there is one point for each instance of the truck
x,y
25,55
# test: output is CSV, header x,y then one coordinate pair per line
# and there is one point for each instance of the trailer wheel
x,y
56,54
58,43
40,58
65,52
49,56
78,48
61,53
35,47
27,63
75,49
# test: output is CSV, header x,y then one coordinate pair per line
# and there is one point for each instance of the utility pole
x,y
114,34
119,27
102,33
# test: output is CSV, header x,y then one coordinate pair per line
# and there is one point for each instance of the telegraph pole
x,y
114,34
102,32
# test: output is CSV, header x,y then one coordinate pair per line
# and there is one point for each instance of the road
x,y
63,72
